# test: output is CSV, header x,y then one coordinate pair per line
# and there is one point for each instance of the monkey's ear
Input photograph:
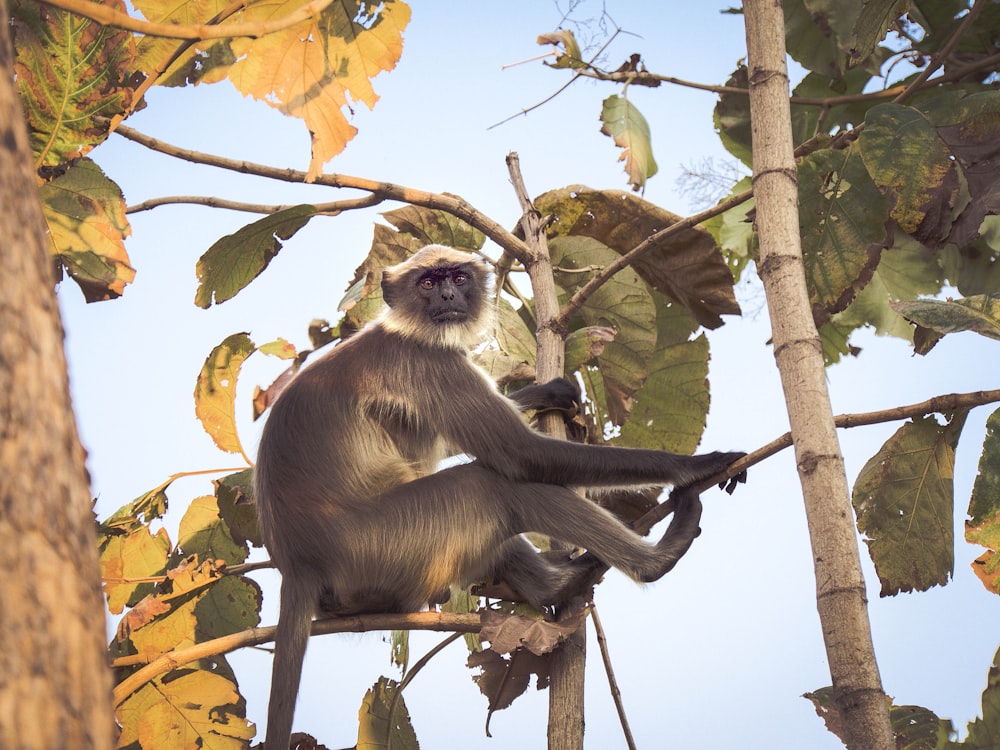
x,y
390,285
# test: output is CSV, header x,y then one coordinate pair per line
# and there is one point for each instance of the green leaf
x,y
376,728
69,70
985,502
732,117
138,513
980,314
873,23
513,335
625,124
215,391
586,344
229,605
85,214
239,258
904,501
811,38
905,271
435,227
842,218
983,732
907,159
237,509
623,303
671,407
279,348
203,532
914,727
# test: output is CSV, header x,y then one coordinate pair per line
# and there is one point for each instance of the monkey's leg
x,y
561,513
539,580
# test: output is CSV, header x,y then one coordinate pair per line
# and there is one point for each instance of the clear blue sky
x,y
714,656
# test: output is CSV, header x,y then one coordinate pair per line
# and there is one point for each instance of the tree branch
x,y
163,663
108,16
616,693
388,190
332,208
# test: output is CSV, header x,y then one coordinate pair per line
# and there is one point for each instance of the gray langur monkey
x,y
357,519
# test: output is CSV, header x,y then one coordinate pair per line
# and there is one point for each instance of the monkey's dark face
x,y
448,292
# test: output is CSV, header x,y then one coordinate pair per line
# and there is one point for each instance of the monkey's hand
x,y
560,394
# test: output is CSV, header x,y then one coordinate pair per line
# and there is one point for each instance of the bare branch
x,y
442,621
108,16
387,190
937,405
578,72
616,694
332,208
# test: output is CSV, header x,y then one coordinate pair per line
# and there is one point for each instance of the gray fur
x,y
357,519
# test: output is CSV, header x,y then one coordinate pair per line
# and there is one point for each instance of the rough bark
x,y
840,587
55,685
569,662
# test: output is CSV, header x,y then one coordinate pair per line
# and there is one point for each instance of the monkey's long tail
x,y
291,638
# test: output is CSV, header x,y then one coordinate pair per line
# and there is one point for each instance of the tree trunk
x,y
840,586
569,661
55,685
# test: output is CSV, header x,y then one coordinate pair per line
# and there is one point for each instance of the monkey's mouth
x,y
450,316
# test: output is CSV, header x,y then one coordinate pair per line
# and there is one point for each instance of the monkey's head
x,y
439,296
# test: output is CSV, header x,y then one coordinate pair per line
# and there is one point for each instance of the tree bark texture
x,y
840,586
569,661
55,685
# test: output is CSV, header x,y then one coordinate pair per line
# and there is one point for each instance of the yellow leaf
x,y
318,68
85,213
215,392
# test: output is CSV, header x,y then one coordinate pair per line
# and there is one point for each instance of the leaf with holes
x,y
85,215
904,501
215,391
69,70
239,258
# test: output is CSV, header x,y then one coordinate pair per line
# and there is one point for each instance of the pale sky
x,y
718,653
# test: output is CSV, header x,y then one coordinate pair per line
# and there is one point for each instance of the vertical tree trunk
x,y
55,685
568,668
840,586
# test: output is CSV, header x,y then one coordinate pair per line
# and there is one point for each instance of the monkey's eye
x,y
426,283
459,278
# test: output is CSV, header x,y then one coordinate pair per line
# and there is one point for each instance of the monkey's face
x,y
448,294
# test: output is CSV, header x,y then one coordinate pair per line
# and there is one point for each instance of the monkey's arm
x,y
473,418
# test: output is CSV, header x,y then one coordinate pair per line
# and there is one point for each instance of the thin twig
x,y
577,73
936,405
108,16
330,209
616,694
